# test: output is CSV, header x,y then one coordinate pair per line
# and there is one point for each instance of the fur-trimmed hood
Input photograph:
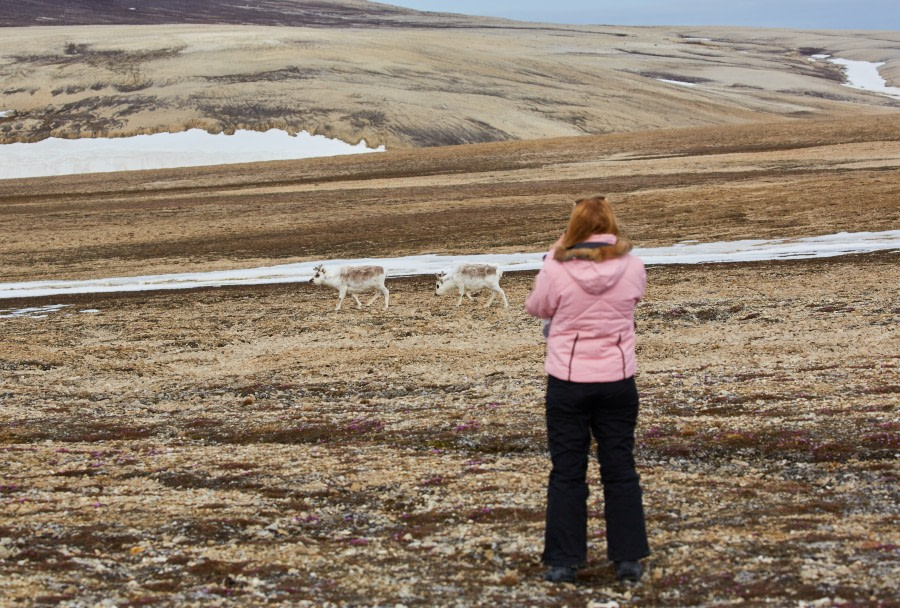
x,y
597,247
594,269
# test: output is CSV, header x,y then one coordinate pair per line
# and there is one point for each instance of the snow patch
x,y
682,253
863,75
192,148
757,250
38,312
678,82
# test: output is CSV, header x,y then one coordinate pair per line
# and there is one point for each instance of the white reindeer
x,y
352,280
471,278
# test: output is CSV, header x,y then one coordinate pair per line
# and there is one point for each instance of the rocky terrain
x,y
361,70
254,447
251,446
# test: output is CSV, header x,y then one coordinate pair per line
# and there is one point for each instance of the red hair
x,y
592,216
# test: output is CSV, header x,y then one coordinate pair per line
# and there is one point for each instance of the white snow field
x,y
863,75
192,148
682,253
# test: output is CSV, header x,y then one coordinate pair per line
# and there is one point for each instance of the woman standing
x,y
588,287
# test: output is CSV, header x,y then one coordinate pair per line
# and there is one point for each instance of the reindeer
x,y
352,280
471,278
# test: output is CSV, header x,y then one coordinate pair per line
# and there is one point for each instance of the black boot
x,y
560,574
629,571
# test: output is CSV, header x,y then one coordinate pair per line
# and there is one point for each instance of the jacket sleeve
x,y
641,279
543,300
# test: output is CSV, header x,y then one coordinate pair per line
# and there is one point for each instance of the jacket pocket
x,y
572,357
622,352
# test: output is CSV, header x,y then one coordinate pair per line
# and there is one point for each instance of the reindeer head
x,y
440,287
318,275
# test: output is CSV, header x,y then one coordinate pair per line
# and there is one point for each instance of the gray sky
x,y
798,14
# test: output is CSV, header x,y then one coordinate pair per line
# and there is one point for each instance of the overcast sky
x,y
800,14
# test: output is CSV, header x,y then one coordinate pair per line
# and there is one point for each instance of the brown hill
x,y
293,13
358,70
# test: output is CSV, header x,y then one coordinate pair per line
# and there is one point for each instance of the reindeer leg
x,y
503,295
358,303
461,292
490,299
342,293
372,299
387,295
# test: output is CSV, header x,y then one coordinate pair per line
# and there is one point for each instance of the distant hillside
x,y
293,13
363,70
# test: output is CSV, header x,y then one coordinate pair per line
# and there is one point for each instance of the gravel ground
x,y
242,447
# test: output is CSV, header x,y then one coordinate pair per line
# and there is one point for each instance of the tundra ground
x,y
255,447
707,184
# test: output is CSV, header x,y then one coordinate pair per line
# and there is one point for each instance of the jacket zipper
x,y
619,346
572,357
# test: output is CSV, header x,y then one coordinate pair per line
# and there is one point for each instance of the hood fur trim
x,y
600,254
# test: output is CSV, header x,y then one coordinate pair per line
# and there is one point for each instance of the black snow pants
x,y
608,410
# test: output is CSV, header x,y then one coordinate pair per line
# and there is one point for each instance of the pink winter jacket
x,y
591,304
